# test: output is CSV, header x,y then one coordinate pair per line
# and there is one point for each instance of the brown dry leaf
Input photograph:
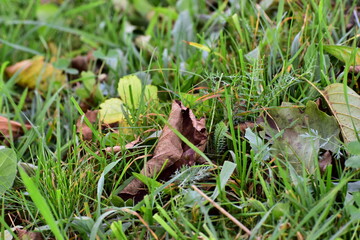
x,y
171,149
244,125
7,125
26,235
83,128
325,160
82,63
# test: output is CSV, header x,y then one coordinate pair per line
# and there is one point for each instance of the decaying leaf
x,y
35,70
304,133
343,53
325,160
345,110
7,126
81,63
28,235
171,151
83,128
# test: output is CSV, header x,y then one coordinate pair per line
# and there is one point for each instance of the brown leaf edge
x,y
7,126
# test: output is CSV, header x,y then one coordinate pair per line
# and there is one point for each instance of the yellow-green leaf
x,y
203,48
346,110
199,46
35,70
343,53
111,111
129,90
151,93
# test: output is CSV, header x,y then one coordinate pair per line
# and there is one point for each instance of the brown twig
x,y
222,210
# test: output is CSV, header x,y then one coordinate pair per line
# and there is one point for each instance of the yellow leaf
x,y
33,70
199,46
203,48
129,90
112,111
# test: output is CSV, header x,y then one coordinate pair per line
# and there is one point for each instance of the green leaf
x,y
257,144
343,53
90,87
299,134
353,162
111,111
345,110
225,174
46,11
8,162
353,147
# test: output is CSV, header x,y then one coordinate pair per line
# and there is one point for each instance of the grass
x,y
260,57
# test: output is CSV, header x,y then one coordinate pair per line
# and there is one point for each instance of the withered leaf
x,y
31,69
171,149
7,125
28,235
83,128
325,160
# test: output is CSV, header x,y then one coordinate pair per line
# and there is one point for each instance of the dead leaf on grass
x,y
83,128
28,235
171,150
7,126
34,70
344,103
325,161
303,133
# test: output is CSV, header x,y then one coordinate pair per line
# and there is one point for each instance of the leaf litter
x,y
298,134
171,153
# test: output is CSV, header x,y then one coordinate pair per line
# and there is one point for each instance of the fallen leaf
x,y
304,132
111,111
343,53
325,161
28,235
171,150
83,128
33,70
8,169
347,113
81,63
7,126
130,91
244,125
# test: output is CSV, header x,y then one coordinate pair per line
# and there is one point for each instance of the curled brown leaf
x,y
171,152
